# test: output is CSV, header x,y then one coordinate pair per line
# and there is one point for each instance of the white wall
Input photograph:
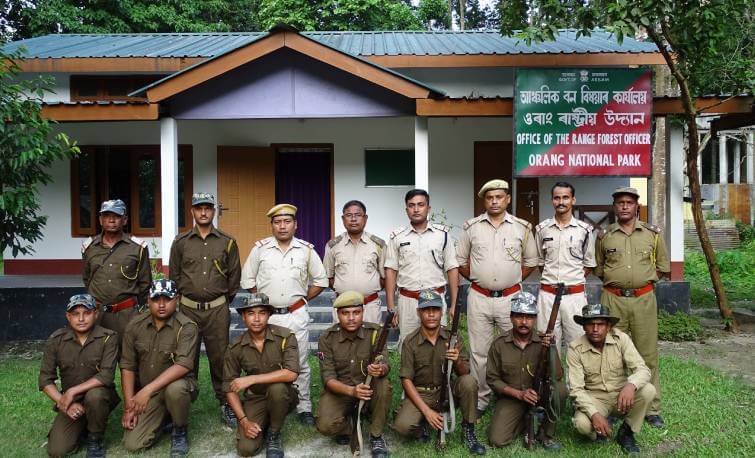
x,y
60,87
466,82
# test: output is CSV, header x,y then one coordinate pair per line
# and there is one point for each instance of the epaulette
x,y
652,227
600,233
377,240
262,242
523,222
543,224
370,325
85,244
108,332
305,243
440,227
236,341
586,226
280,331
472,221
334,328
397,231
182,235
184,320
58,332
335,241
225,234
138,241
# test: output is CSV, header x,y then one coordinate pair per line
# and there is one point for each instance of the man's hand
x,y
626,398
377,369
394,321
600,425
140,400
529,396
65,401
74,411
546,340
452,354
435,419
129,419
362,392
242,383
249,428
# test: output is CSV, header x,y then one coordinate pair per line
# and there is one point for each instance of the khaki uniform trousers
x,y
484,316
409,419
213,330
606,404
566,327
508,420
408,320
268,410
175,399
65,432
638,318
336,414
117,321
372,312
297,322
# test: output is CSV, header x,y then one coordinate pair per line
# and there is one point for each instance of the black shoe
x,y
274,445
625,438
550,444
601,439
167,427
306,418
228,417
424,433
470,438
95,446
343,439
378,446
179,442
656,421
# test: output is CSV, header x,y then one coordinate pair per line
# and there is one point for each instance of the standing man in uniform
x,y
85,354
512,360
566,254
597,388
419,257
204,263
268,355
496,252
344,351
425,352
290,273
354,261
116,269
631,257
157,365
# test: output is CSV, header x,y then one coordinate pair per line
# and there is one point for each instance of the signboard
x,y
582,122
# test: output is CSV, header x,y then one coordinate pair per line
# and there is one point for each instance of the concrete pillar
x,y
421,154
675,199
168,184
723,166
750,157
737,161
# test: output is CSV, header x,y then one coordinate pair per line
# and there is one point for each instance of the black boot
x,y
95,446
274,445
625,438
228,417
424,433
474,446
306,418
378,446
179,442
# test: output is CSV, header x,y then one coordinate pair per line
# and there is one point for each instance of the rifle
x,y
446,398
376,356
542,383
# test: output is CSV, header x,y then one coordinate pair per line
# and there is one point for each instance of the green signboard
x,y
582,122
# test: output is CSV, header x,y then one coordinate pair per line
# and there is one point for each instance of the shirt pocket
x,y
166,354
550,249
576,250
643,255
480,251
370,263
512,250
298,270
130,267
592,369
341,265
343,366
406,253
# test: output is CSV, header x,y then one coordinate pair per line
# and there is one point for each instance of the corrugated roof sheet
x,y
362,44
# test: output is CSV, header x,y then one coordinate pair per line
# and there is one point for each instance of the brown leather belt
x,y
118,306
629,292
203,305
502,293
370,298
427,389
293,307
574,289
415,294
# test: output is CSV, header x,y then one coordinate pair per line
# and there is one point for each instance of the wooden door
x,y
246,191
491,160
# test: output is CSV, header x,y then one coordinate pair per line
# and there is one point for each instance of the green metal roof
x,y
362,44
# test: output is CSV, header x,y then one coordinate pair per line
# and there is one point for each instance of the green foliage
x,y
338,15
737,271
678,327
28,148
746,232
434,14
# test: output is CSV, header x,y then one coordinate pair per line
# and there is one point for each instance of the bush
x,y
746,232
737,272
678,327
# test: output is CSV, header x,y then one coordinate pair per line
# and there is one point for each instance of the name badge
x,y
404,244
611,250
548,239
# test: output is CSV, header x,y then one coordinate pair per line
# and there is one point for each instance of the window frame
x,y
409,150
100,84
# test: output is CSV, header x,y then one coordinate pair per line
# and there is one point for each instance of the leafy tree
x,y
475,15
434,14
27,150
339,15
708,46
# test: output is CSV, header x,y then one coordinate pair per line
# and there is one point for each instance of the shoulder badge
x,y
377,241
58,332
262,242
397,231
653,227
280,331
440,227
335,241
586,226
600,233
370,325
139,241
305,243
471,221
523,222
543,224
333,328
85,244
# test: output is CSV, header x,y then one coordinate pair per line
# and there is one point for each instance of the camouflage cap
x,y
163,287
199,198
84,300
116,206
348,299
429,298
491,185
593,312
626,190
524,303
254,300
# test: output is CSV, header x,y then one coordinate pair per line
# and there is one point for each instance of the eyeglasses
x,y
353,215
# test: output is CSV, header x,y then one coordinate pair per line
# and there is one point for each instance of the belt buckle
x,y
107,308
627,292
496,293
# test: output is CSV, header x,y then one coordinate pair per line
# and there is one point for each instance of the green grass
x,y
737,272
707,413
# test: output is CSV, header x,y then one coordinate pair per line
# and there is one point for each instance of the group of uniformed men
x,y
612,357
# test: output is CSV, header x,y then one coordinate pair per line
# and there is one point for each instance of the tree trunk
x,y
451,14
462,13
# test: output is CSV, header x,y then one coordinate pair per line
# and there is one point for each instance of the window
x,y
117,87
130,173
389,167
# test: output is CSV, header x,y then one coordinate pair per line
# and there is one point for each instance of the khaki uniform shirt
x,y
78,363
205,269
113,274
422,362
607,371
631,261
510,365
280,351
421,259
344,356
283,276
496,255
564,253
149,352
355,267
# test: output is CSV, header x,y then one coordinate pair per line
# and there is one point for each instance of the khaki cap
x,y
491,185
348,299
626,190
282,210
